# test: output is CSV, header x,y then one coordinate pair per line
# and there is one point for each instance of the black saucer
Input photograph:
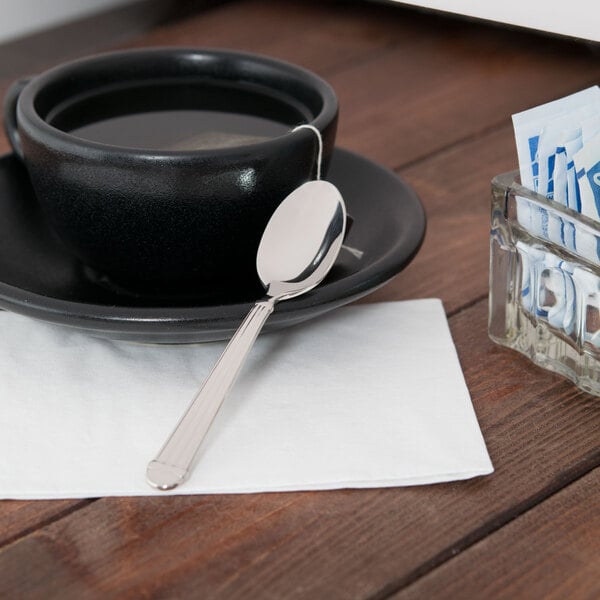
x,y
39,278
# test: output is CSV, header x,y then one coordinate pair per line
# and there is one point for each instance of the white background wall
x,y
577,18
20,17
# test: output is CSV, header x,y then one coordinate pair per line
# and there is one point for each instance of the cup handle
x,y
10,114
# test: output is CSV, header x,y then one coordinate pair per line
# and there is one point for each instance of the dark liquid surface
x,y
181,130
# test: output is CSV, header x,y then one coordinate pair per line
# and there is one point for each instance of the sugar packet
x,y
555,137
530,124
547,289
587,169
558,145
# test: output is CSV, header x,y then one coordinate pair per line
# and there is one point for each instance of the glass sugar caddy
x,y
544,296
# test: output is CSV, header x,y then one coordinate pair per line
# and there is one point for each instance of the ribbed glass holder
x,y
545,282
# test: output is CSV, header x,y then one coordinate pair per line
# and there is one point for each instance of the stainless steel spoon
x,y
298,248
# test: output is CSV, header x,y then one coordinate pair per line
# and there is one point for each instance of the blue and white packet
x,y
547,289
552,141
587,170
590,127
571,148
548,138
541,133
588,292
529,124
558,146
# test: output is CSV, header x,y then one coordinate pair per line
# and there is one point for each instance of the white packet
x,y
573,197
555,135
528,126
544,273
553,171
588,290
552,138
587,169
590,127
560,175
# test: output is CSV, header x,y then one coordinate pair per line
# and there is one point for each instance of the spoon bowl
x,y
302,240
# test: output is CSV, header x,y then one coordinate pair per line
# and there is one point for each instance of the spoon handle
x,y
171,466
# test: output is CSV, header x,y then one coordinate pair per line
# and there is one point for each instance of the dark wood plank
x,y
541,432
454,186
454,82
18,517
554,553
322,36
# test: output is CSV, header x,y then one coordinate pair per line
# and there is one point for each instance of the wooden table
x,y
429,97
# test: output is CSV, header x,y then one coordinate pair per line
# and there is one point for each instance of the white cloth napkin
x,y
367,396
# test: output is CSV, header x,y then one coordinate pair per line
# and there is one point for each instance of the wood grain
x,y
453,262
554,553
430,97
18,517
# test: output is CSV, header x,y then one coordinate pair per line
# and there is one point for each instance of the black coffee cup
x,y
173,215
